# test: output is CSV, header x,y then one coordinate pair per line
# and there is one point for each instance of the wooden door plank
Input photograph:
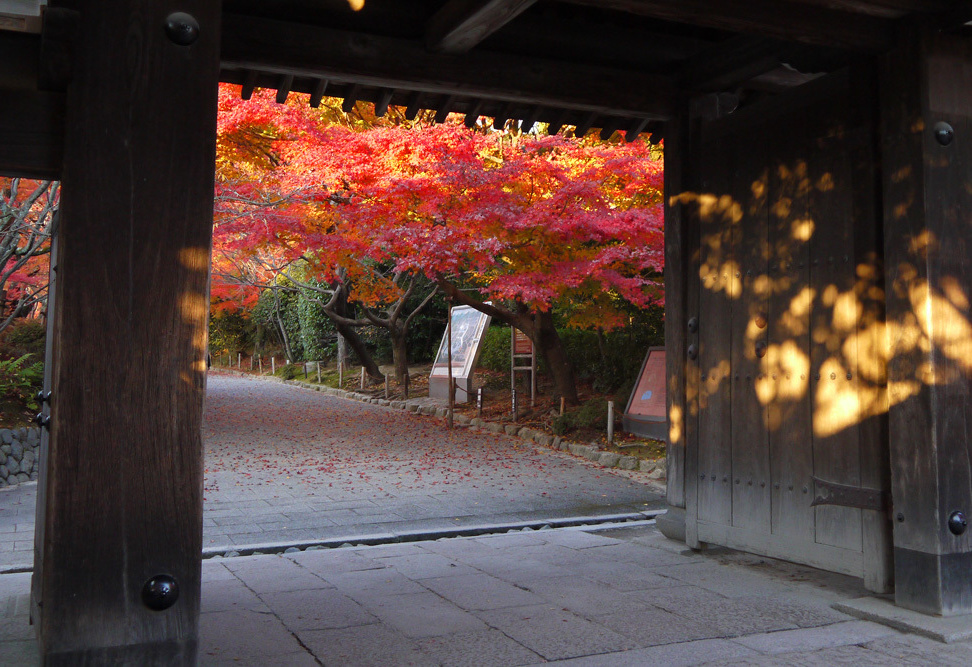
x,y
677,251
751,481
791,226
834,388
124,469
718,213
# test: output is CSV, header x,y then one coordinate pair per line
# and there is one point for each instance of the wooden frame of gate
x,y
118,99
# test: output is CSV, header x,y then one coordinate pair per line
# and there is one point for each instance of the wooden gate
x,y
786,379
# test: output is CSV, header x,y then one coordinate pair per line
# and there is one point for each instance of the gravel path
x,y
284,463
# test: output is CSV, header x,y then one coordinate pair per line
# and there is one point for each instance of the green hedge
x,y
610,363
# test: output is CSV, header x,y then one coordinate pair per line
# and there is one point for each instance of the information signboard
x,y
468,326
646,412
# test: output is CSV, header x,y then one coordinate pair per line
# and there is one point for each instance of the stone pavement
x,y
623,596
285,465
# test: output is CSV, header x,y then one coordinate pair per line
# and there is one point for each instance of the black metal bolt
x,y
43,396
693,352
957,523
182,28
900,517
944,133
693,325
160,592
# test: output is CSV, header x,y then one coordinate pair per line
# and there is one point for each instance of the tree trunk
x,y
399,354
352,338
552,348
283,330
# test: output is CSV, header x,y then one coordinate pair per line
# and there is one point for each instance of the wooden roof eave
x,y
303,50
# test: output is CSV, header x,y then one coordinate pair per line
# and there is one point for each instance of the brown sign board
x,y
522,345
646,414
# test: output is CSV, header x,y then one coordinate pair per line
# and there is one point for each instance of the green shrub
x,y
291,371
592,414
20,380
495,355
23,337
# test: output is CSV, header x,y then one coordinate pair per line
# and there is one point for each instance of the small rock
x,y
646,466
546,526
662,465
292,550
476,421
512,429
527,529
628,463
657,473
525,433
231,554
4,473
33,436
13,466
545,440
33,476
3,481
6,437
412,408
28,459
3,458
23,477
346,545
462,419
17,450
494,428
315,547
556,441
5,448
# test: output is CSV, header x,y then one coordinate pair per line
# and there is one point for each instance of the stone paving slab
x,y
379,606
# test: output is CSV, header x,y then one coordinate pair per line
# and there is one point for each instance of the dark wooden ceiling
x,y
608,64
612,64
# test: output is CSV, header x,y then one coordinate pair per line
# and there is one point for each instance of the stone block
x,y
17,450
13,466
593,454
23,477
609,459
578,450
494,428
512,429
476,421
6,437
628,463
525,433
646,466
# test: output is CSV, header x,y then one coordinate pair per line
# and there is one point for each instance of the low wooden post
x,y
479,402
452,385
452,403
362,377
239,360
273,365
340,374
251,363
260,362
318,372
304,364
562,406
386,386
516,416
610,423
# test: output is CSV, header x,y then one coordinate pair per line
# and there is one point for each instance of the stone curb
x,y
656,469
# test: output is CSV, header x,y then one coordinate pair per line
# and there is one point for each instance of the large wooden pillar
x,y
927,171
119,524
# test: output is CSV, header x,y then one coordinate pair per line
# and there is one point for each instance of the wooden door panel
x,y
717,218
788,356
834,390
750,444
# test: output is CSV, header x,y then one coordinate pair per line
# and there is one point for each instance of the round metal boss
x,y
957,523
944,133
160,592
182,28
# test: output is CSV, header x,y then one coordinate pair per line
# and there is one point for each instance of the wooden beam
x,y
462,24
283,88
730,63
926,81
887,8
31,134
384,62
121,506
767,18
317,94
